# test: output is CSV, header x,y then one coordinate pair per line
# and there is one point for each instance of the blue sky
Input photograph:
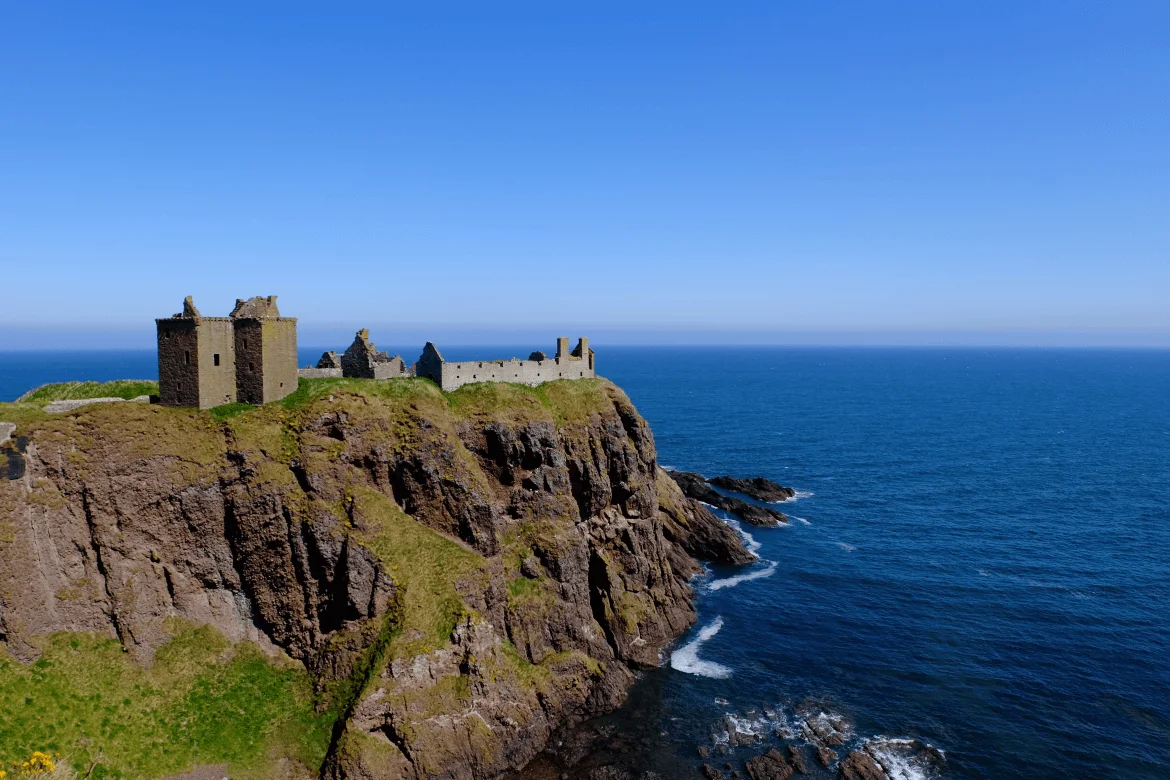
x,y
813,172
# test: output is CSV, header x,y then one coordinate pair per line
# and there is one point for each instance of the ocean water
x,y
979,558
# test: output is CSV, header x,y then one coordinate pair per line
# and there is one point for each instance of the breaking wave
x,y
686,658
799,495
846,547
906,759
731,582
749,541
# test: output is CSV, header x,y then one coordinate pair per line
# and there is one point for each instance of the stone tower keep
x,y
250,356
266,351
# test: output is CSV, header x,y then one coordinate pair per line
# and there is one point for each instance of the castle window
x,y
215,358
186,358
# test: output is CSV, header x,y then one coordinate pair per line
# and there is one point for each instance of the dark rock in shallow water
x,y
710,772
704,751
757,487
825,756
860,765
696,487
796,757
689,525
769,766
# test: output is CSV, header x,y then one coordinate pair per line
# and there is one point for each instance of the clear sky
x,y
788,172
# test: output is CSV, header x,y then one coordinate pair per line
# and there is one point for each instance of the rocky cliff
x,y
459,574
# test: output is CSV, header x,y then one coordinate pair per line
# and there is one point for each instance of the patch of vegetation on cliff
x,y
424,564
562,401
203,701
76,391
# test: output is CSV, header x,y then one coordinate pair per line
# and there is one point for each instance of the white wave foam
x,y
795,497
846,547
686,658
801,519
731,582
905,759
749,541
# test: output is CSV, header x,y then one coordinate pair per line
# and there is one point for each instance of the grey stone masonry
x,y
537,369
363,360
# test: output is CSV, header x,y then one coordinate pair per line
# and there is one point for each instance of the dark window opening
x,y
186,358
215,358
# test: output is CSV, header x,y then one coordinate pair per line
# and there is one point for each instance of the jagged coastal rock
x,y
459,573
759,488
696,486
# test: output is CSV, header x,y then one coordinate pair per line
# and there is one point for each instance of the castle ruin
x,y
250,356
363,360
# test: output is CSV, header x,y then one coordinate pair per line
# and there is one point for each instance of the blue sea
x,y
978,559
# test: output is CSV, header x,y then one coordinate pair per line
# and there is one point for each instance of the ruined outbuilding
x,y
537,369
363,360
249,356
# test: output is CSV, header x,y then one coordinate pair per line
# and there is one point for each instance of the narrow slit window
x,y
186,358
215,358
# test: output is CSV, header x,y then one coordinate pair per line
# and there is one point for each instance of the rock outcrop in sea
x,y
461,574
696,486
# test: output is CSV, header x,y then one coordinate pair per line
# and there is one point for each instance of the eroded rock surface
x,y
463,574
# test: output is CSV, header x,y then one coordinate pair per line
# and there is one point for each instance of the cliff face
x,y
460,574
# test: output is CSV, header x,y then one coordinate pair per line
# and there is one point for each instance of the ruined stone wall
x,y
280,357
451,376
524,372
319,373
178,362
394,368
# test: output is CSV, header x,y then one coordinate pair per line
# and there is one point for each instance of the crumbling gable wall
x,y
363,360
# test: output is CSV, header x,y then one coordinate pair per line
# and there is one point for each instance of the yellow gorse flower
x,y
38,764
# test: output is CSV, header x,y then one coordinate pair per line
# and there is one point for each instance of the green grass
x,y
76,391
564,400
202,701
406,390
424,564
227,411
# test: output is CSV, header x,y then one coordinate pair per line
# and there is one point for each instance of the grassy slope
x,y
202,702
73,391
